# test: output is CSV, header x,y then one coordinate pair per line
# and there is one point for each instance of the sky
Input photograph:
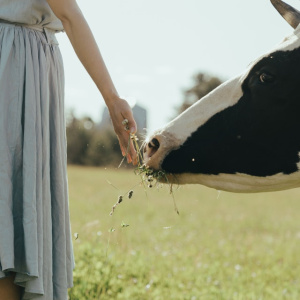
x,y
153,48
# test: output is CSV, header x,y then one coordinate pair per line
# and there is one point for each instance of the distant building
x,y
139,114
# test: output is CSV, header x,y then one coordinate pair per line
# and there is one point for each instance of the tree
x,y
203,84
79,135
104,149
89,145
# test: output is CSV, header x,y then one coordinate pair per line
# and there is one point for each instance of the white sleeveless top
x,y
30,12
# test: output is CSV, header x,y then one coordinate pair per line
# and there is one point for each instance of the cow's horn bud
x,y
290,14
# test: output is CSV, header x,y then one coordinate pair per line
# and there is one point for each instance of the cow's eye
x,y
266,78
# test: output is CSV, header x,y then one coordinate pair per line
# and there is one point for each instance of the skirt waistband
x,y
49,34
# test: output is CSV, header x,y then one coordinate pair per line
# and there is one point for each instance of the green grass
x,y
221,246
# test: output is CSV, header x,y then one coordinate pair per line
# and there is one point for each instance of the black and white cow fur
x,y
245,135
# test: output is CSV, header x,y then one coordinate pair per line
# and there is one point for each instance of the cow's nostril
x,y
154,143
153,146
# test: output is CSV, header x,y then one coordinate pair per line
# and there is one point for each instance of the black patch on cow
x,y
260,135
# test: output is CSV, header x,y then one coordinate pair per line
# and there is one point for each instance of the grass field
x,y
221,246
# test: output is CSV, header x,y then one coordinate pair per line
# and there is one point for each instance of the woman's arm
x,y
88,52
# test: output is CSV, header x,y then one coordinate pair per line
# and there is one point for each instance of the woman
x,y
36,257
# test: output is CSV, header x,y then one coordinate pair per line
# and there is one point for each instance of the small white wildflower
x,y
238,267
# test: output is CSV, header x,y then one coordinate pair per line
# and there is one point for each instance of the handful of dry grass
x,y
149,177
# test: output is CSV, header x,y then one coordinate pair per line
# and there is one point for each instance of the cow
x,y
244,136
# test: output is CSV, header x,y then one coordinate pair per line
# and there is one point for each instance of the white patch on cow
x,y
240,183
190,120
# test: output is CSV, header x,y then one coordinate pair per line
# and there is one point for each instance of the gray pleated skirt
x,y
35,238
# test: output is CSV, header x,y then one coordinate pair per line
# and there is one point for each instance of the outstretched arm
x,y
89,54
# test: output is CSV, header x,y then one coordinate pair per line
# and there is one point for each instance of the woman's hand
x,y
120,110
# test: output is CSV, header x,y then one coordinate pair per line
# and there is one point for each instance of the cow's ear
x,y
290,14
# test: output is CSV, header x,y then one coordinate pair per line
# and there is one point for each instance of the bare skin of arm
x,y
89,54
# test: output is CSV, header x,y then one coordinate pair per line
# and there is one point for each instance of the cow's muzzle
x,y
157,146
152,152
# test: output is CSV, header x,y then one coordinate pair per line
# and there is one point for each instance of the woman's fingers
x,y
122,149
130,152
127,144
133,154
124,124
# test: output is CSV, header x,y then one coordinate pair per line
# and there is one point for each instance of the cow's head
x,y
245,135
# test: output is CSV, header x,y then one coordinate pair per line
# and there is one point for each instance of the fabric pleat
x,y
35,235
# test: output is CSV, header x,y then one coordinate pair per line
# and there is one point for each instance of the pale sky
x,y
153,48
